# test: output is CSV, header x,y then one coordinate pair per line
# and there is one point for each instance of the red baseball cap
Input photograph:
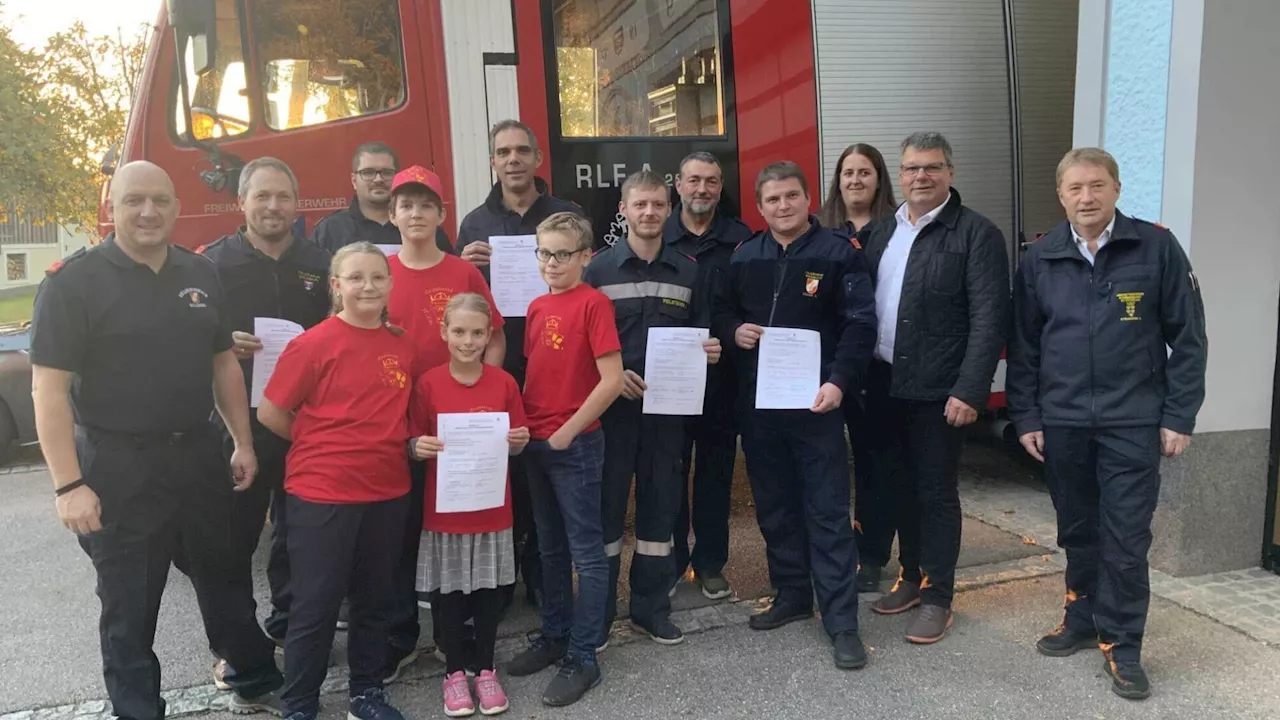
x,y
418,175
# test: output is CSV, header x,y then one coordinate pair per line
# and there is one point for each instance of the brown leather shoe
x,y
929,625
904,596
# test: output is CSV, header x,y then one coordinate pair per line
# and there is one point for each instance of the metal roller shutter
x,y
887,69
1045,38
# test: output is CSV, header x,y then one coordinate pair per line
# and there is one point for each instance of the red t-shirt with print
x,y
350,388
418,299
565,334
436,392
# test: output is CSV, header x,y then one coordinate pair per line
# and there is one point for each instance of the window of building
x,y
638,68
219,98
15,266
327,60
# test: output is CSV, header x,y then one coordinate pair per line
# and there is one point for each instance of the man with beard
x,y
651,285
267,273
515,206
368,217
701,230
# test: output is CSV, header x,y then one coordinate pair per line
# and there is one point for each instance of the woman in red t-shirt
x,y
465,557
341,392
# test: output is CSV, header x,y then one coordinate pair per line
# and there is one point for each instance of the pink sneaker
x,y
457,696
492,699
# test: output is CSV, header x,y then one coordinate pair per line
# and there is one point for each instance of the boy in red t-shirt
x,y
574,374
341,393
425,280
465,558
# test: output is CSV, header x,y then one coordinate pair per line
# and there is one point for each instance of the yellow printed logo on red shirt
x,y
551,336
392,375
437,300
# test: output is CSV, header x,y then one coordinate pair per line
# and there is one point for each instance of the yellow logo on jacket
x,y
1130,300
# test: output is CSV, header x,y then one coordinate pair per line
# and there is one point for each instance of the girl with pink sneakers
x,y
465,558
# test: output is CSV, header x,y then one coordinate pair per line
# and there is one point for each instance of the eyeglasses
x,y
561,256
368,174
930,170
377,279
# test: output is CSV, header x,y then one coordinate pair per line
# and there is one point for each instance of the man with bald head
x,y
142,327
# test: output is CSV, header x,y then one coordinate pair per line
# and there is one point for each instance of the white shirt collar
x,y
904,217
1102,239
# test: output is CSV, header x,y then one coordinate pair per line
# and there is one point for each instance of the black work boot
x,y
779,613
1128,679
1064,641
541,653
848,650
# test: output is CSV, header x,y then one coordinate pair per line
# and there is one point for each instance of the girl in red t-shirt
x,y
466,557
341,392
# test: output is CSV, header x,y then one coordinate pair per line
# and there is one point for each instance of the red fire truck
x,y
609,87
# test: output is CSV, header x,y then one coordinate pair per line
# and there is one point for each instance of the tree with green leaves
x,y
61,108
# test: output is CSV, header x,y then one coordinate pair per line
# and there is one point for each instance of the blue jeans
x,y
564,486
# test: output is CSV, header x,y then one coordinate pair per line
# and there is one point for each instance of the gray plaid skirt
x,y
451,562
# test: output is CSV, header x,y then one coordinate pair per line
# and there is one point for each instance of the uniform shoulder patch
x,y
58,265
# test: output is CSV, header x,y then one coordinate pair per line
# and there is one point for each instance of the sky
x,y
33,21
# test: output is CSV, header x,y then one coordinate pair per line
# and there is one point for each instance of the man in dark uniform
x,y
368,218
699,229
266,272
131,352
515,206
800,275
1106,373
651,285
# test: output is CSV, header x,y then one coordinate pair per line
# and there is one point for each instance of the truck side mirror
x,y
195,23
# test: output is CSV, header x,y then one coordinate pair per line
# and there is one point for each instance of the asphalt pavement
x,y
985,668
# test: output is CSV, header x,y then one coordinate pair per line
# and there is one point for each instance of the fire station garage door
x,y
886,70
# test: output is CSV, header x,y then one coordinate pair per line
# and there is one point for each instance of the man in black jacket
x,y
942,300
800,275
700,229
1106,373
368,217
515,206
267,273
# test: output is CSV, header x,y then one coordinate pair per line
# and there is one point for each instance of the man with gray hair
x,y
518,201
942,305
267,272
1106,374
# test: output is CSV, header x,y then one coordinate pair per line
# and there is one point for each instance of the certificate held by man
x,y
514,276
471,471
790,364
675,371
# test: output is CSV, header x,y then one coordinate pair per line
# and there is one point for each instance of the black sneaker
x,y
779,614
372,705
397,661
849,652
1128,680
573,679
661,631
1063,642
541,653
903,596
869,578
714,585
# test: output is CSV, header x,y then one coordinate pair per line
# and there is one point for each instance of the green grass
x,y
18,308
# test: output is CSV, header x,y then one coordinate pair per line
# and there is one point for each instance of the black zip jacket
x,y
820,282
713,251
294,288
348,225
493,218
1088,347
953,315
